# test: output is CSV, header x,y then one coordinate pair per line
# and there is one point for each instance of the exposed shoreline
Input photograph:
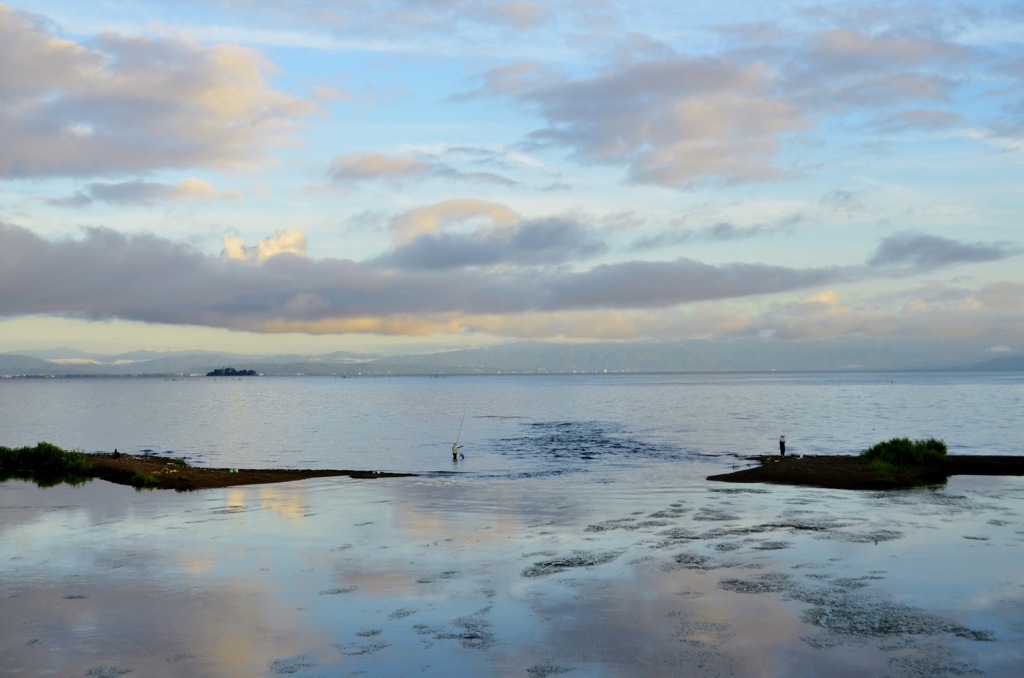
x,y
850,473
164,473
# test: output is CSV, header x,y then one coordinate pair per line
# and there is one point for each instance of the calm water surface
x,y
579,536
407,424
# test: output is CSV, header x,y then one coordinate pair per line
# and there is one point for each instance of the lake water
x,y
578,537
513,424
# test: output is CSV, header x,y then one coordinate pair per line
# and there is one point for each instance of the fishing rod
x,y
463,420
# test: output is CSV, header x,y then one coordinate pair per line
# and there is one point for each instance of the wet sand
x,y
166,473
849,473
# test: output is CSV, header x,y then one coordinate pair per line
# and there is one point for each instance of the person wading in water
x,y
455,450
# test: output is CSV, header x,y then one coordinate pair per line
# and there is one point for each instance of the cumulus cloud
x,y
846,61
432,218
357,167
676,119
290,241
132,104
673,122
144,193
918,250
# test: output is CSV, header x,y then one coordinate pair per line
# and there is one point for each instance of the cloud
x,y
720,232
323,93
511,80
678,119
106,274
144,193
273,287
380,19
75,200
372,166
992,312
431,218
922,119
521,15
290,241
656,284
529,242
132,104
673,122
917,250
851,66
369,166
843,200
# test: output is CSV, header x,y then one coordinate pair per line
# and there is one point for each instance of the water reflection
x,y
664,577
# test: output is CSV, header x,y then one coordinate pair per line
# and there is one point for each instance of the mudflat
x,y
851,473
166,473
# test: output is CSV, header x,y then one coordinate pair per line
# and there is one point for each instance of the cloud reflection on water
x,y
425,576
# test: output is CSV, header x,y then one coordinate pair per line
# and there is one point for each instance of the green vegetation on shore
x,y
897,454
45,464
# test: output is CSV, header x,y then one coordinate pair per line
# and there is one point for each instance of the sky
x,y
411,175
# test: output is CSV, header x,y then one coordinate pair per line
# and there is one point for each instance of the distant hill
x,y
23,364
737,355
1008,363
61,353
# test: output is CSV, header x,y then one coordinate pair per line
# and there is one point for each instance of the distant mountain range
x,y
738,355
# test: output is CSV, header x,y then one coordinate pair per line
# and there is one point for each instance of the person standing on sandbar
x,y
455,450
782,444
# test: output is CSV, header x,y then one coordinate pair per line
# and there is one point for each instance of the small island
x,y
894,464
231,372
48,465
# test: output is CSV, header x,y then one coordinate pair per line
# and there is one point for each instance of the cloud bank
x,y
506,278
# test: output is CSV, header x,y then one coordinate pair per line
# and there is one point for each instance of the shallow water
x,y
513,424
446,576
580,539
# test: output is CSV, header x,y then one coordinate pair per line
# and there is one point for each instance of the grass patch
x,y
44,464
900,453
143,481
